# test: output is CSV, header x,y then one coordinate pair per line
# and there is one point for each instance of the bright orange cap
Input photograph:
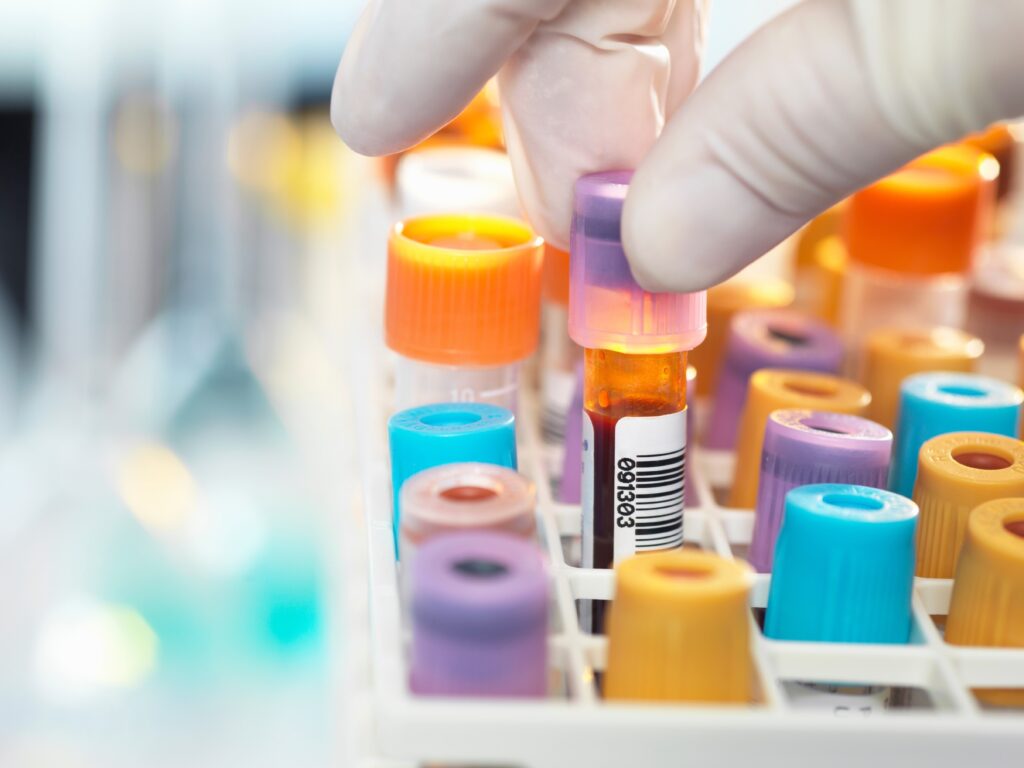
x,y
956,473
892,354
927,217
724,301
556,275
770,390
463,289
998,140
987,606
679,629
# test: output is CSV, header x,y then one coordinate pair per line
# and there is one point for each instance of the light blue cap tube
x,y
446,433
933,404
844,566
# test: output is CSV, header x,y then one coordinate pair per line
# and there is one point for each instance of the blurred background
x,y
182,245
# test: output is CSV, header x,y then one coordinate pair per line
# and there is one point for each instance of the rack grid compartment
x,y
941,724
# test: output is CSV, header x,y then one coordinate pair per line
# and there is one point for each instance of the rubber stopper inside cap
x,y
982,460
480,568
450,419
1016,527
788,337
468,493
811,390
961,390
853,501
680,574
812,422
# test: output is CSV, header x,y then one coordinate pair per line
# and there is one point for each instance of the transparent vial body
x,y
421,383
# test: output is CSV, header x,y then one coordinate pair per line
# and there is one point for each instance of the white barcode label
x,y
650,457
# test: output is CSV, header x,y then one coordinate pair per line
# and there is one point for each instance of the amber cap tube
x,y
927,218
892,354
679,629
987,607
771,390
957,472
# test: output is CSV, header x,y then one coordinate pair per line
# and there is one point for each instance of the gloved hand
x,y
823,100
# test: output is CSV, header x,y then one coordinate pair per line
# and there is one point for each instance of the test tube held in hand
x,y
634,426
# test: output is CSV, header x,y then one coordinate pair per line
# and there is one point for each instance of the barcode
x,y
659,499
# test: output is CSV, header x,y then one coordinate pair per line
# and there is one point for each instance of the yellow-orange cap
x,y
892,354
927,217
998,140
821,282
771,390
987,606
679,629
826,224
956,473
724,301
556,275
463,289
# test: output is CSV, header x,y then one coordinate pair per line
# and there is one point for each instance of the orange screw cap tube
x,y
462,307
911,239
771,390
987,606
679,630
634,388
956,473
892,354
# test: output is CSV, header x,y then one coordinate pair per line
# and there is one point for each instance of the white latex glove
x,y
824,99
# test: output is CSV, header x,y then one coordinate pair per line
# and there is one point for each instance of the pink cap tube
x,y
607,308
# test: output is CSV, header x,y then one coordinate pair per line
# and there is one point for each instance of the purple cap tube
x,y
480,617
572,463
804,447
766,338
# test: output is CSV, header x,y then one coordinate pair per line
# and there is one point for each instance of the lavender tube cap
x,y
480,617
767,338
607,308
804,447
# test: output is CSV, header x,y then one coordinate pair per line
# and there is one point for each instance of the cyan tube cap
x,y
447,433
933,404
844,566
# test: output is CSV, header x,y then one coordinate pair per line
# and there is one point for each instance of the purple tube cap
x,y
809,437
479,585
782,338
607,308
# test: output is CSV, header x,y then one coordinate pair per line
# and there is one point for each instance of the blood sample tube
x,y
560,359
771,390
634,391
447,433
804,447
987,605
460,497
679,629
462,307
958,472
911,239
691,429
724,301
480,617
893,354
933,404
772,338
867,599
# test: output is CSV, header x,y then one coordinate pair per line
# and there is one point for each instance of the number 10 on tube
x,y
634,391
